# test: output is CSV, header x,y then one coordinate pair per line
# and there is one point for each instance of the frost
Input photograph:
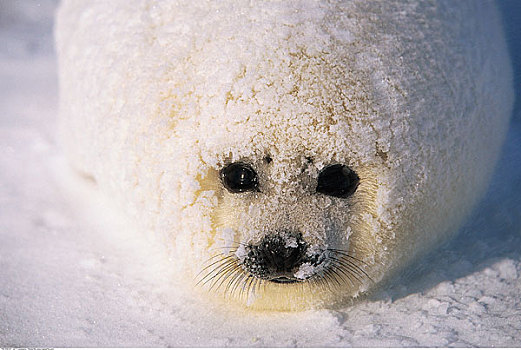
x,y
305,270
227,236
241,253
290,242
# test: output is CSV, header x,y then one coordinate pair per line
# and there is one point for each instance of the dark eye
x,y
337,180
239,177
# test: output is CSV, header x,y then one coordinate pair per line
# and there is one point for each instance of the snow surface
x,y
73,273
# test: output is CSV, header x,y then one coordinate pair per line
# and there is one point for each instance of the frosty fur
x,y
156,96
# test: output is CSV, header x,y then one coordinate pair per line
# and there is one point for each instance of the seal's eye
x,y
337,180
239,177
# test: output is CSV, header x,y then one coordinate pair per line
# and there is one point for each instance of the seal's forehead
x,y
312,108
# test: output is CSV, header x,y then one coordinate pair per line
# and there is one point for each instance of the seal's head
x,y
291,224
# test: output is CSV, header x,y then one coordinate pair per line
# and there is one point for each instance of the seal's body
x,y
294,153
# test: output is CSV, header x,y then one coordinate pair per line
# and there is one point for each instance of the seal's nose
x,y
277,257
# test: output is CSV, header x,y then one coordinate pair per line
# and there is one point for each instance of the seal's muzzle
x,y
278,257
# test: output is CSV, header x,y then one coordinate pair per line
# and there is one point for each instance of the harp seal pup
x,y
291,154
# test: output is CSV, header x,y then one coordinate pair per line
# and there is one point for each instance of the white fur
x,y
156,96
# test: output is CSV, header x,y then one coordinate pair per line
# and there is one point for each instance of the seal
x,y
291,154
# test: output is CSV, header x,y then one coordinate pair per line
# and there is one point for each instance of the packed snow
x,y
74,273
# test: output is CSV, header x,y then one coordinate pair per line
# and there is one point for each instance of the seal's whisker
x,y
311,282
250,286
223,275
213,257
242,286
327,279
256,285
231,249
343,271
354,266
232,281
238,283
348,272
321,283
360,271
346,254
224,272
229,280
336,274
350,266
226,263
220,264
340,271
247,285
223,257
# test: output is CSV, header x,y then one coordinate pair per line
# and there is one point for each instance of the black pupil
x,y
239,177
337,180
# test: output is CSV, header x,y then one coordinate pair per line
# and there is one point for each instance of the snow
x,y
75,273
305,271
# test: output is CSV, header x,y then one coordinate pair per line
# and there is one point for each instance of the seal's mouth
x,y
284,280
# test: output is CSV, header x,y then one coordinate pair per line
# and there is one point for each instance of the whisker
x,y
349,266
256,285
229,279
334,273
215,262
360,271
231,282
223,265
326,278
348,272
246,286
222,248
238,283
346,254
223,275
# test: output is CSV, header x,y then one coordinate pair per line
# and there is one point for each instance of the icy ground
x,y
72,275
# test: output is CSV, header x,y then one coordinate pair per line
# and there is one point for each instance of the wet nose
x,y
277,255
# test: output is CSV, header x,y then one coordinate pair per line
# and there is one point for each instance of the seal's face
x,y
283,255
283,227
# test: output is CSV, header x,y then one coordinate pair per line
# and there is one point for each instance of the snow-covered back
x,y
73,273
